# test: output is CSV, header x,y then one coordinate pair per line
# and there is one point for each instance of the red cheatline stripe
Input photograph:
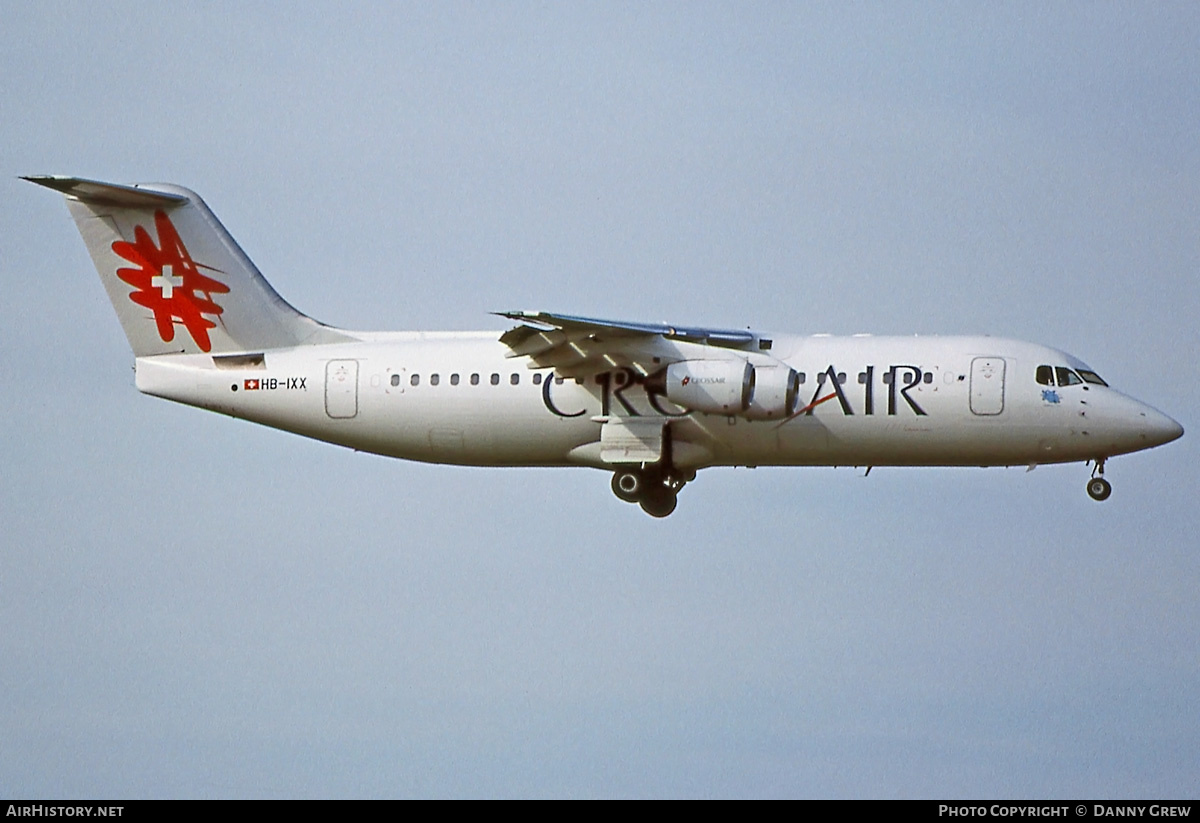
x,y
809,408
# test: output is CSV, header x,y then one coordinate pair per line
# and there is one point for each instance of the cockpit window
x,y
1062,376
1092,377
1066,377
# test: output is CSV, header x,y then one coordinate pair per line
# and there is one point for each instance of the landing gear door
x,y
987,385
625,440
341,388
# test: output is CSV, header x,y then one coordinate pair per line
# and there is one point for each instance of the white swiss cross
x,y
166,282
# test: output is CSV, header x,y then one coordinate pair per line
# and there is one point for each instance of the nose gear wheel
x,y
1098,488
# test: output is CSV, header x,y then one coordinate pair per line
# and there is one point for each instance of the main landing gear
x,y
1098,488
655,488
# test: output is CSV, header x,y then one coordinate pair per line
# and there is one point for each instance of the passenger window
x,y
1066,377
1045,375
928,378
395,380
415,380
515,379
434,379
495,380
475,380
537,379
454,380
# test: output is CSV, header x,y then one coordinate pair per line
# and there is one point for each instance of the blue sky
x,y
192,606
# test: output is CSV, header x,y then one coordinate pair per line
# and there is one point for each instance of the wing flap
x,y
586,366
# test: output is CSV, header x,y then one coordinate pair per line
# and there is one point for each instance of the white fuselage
x,y
463,398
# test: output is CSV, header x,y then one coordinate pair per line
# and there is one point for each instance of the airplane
x,y
651,403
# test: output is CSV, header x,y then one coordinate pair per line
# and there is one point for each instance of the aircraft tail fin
x,y
178,280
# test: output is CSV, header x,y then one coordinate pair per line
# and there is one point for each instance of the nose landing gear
x,y
1098,488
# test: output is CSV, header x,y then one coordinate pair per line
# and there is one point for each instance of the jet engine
x,y
710,386
733,387
776,392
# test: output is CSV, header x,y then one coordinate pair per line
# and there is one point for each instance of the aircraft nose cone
x,y
1159,429
1125,425
1171,430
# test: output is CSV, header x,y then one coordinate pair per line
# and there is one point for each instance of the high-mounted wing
x,y
580,346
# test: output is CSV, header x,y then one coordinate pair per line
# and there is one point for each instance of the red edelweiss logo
x,y
169,282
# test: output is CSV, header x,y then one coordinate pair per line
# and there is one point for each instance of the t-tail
x,y
178,280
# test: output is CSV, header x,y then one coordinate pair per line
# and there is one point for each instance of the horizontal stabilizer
x,y
108,194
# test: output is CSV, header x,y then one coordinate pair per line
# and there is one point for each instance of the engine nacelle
x,y
776,393
711,386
